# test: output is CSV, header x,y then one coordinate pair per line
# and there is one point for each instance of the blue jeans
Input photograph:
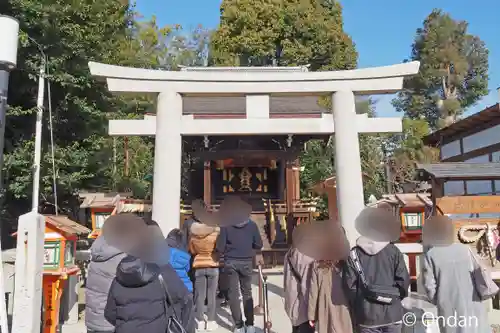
x,y
205,288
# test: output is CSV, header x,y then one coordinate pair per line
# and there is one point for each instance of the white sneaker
x,y
250,329
239,330
200,325
212,326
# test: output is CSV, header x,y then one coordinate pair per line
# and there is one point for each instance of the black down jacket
x,y
383,264
136,300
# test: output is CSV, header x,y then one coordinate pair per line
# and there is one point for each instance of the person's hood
x,y
101,251
201,230
369,246
242,224
175,244
133,272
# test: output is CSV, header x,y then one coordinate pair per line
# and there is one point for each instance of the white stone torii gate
x,y
169,124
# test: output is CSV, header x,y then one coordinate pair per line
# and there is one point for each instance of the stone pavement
x,y
280,321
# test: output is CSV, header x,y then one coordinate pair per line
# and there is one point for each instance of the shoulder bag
x,y
373,292
174,324
483,283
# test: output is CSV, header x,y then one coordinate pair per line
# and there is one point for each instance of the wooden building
x,y
475,139
262,169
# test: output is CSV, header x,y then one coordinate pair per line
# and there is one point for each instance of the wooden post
x,y
207,183
52,291
259,308
125,147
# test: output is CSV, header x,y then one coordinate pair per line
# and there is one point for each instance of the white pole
x,y
38,137
4,324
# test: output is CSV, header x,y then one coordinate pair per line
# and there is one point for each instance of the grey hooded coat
x,y
449,285
101,272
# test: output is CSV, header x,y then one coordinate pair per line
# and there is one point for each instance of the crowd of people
x,y
362,289
139,280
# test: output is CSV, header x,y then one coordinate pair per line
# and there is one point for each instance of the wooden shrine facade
x,y
258,168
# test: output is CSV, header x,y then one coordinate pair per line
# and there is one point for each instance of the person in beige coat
x,y
297,272
206,271
328,308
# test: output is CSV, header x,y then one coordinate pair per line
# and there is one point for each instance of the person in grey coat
x,y
104,260
448,281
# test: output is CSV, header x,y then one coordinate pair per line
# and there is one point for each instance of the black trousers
x,y
223,284
239,274
303,328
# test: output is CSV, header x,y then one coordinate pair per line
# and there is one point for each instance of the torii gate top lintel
x,y
377,80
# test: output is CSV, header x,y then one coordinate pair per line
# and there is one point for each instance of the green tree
x,y
70,34
453,72
405,150
283,33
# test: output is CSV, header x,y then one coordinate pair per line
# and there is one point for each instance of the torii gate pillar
x,y
350,197
168,161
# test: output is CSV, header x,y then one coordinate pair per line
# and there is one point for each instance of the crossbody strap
x,y
167,299
353,256
292,269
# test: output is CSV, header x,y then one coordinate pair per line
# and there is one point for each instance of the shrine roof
x,y
66,225
460,171
408,200
99,199
483,119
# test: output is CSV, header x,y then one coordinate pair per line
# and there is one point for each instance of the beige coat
x,y
296,289
202,245
327,303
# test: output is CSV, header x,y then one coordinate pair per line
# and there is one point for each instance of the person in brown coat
x,y
206,273
328,309
297,281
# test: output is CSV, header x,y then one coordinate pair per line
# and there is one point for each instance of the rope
x,y
52,150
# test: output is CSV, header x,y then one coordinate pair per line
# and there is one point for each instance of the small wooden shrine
x,y
413,209
97,207
61,235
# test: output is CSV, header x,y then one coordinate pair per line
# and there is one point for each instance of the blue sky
x,y
383,30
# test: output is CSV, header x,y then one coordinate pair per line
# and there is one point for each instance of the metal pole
x,y
38,137
4,85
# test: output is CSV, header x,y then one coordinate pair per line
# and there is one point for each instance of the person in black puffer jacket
x,y
383,265
136,300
